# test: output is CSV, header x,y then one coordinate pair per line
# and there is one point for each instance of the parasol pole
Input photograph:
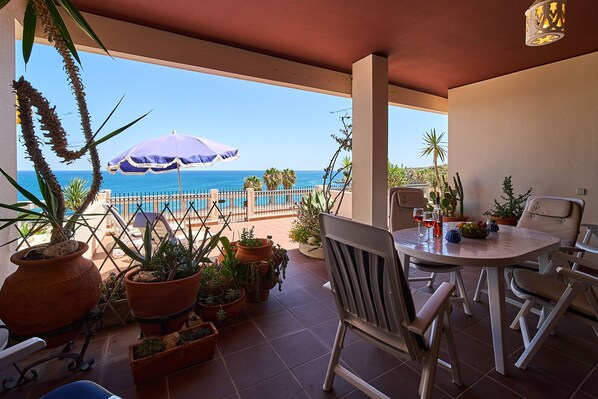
x,y
178,171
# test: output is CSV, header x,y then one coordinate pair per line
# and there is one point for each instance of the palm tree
x,y
437,148
289,178
272,178
252,182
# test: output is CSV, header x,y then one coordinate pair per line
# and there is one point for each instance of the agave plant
x,y
31,101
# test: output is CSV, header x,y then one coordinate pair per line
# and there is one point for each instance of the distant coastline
x,y
192,180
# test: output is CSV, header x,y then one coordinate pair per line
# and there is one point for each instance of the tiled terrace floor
x,y
280,349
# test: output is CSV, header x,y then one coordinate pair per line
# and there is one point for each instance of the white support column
x,y
370,140
8,138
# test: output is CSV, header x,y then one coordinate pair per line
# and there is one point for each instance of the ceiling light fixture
x,y
545,22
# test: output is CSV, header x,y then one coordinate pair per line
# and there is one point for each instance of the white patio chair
x,y
576,297
557,216
374,301
161,228
401,204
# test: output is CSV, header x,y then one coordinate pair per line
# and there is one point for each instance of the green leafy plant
x,y
305,228
172,259
451,197
397,175
512,205
75,192
218,284
249,275
32,103
332,173
153,345
113,287
248,239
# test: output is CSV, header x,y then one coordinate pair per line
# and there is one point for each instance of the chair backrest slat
x,y
366,277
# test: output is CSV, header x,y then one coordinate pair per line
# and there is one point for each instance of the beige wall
x,y
539,125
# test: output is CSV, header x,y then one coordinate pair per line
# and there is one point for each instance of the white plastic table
x,y
510,246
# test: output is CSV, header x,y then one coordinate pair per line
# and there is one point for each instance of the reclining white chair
x,y
576,298
374,301
401,203
558,216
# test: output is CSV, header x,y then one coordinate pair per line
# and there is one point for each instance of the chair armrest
x,y
575,259
587,248
428,313
567,248
20,350
578,276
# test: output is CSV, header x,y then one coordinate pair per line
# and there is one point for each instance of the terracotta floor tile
x,y
271,306
590,386
488,388
557,365
532,383
313,313
311,376
210,380
444,378
366,360
400,382
278,324
253,365
294,297
153,390
473,352
239,337
283,385
326,331
482,330
298,347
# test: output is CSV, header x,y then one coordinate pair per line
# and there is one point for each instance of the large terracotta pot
x,y
161,308
49,298
255,254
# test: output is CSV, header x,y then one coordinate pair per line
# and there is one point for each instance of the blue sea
x,y
192,180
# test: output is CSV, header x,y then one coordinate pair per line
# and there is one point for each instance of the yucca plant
x,y
31,101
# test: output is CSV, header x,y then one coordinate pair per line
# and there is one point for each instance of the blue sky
x,y
272,126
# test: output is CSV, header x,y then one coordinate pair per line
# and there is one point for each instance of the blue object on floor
x,y
83,389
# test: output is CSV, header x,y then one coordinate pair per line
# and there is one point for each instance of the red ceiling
x,y
431,45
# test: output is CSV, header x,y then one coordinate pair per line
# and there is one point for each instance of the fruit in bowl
x,y
477,229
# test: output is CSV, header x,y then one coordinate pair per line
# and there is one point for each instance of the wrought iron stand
x,y
78,362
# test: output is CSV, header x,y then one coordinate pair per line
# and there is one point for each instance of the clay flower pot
x,y
232,309
161,307
45,296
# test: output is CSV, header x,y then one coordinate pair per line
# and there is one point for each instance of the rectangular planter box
x,y
175,359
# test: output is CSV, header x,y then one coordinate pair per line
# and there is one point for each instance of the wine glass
x,y
429,219
418,216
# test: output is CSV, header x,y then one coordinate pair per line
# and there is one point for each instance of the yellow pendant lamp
x,y
545,22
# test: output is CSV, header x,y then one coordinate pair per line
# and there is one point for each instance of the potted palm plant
x,y
162,284
220,297
510,210
53,275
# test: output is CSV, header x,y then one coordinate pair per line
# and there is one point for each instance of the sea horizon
x,y
193,180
